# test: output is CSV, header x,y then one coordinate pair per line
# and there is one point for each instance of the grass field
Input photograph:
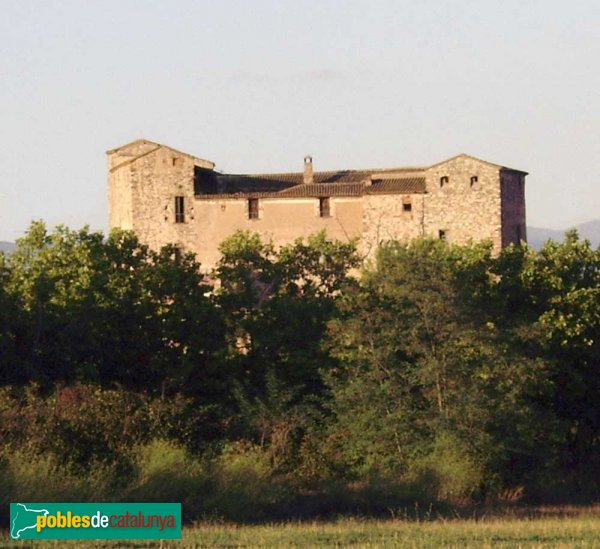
x,y
579,528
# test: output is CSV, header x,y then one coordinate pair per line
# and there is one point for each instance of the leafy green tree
x,y
11,324
425,370
114,312
278,304
563,285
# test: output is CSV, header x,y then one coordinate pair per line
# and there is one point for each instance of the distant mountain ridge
x,y
537,236
7,246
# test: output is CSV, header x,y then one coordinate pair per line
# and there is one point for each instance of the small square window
x,y
253,208
442,234
406,207
324,210
179,209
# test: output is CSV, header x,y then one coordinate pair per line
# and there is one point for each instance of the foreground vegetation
x,y
443,376
579,531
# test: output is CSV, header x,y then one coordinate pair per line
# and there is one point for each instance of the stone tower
x,y
151,191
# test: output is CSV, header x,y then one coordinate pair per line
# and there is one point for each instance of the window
x,y
324,210
444,179
407,206
177,162
179,209
442,234
474,180
253,208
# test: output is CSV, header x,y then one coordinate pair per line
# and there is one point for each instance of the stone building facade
x,y
167,196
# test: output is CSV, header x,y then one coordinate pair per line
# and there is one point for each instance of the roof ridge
x,y
321,172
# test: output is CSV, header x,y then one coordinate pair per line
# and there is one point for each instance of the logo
x,y
95,521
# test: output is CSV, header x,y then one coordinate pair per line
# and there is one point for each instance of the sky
x,y
254,86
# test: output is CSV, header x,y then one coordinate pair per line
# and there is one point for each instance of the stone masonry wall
x,y
120,203
386,218
513,207
154,176
120,197
463,208
156,180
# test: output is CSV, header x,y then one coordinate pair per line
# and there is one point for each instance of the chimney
x,y
308,170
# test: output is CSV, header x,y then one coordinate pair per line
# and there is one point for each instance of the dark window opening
x,y
253,208
178,162
442,234
407,207
324,210
179,209
443,179
474,179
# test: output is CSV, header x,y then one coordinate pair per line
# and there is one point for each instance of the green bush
x,y
245,486
166,472
449,472
28,477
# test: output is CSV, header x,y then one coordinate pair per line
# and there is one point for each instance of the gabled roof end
x,y
200,162
463,155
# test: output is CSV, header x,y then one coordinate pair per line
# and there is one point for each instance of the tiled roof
x,y
324,189
397,185
290,185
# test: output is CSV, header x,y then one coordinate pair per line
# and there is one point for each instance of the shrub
x,y
449,472
164,471
29,477
245,486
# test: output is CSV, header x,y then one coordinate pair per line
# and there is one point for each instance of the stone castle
x,y
167,196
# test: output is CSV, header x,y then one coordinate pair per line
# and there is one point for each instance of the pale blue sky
x,y
253,86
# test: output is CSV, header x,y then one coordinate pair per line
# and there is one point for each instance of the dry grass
x,y
528,528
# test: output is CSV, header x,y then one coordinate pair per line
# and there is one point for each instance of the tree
x,y
11,325
427,377
114,312
278,304
563,284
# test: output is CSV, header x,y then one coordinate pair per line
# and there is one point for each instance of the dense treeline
x,y
285,384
